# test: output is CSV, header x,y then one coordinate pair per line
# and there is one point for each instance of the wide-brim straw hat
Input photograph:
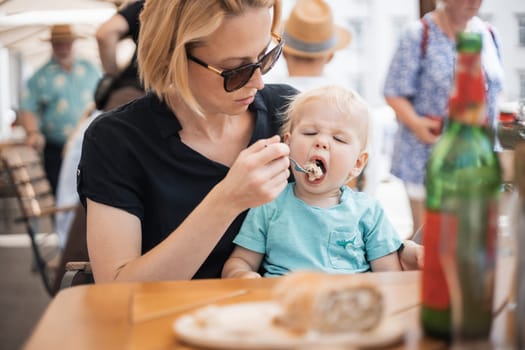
x,y
62,32
310,30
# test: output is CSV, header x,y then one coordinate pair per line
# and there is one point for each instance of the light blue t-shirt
x,y
296,236
59,98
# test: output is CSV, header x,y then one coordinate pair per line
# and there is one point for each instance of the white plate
x,y
250,326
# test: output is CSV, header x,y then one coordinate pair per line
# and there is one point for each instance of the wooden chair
x,y
74,268
25,170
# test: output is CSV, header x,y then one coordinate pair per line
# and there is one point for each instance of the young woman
x,y
167,178
418,84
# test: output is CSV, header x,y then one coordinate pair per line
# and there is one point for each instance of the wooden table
x,y
128,315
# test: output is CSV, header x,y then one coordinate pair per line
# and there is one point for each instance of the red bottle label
x,y
434,287
467,99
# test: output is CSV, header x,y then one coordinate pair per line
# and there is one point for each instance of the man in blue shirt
x,y
55,98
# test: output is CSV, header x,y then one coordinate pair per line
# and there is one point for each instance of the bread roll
x,y
327,303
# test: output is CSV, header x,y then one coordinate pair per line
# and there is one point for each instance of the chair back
x,y
74,268
25,169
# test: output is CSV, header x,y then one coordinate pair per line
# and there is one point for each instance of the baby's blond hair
x,y
347,101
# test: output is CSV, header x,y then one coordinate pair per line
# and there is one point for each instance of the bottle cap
x,y
469,42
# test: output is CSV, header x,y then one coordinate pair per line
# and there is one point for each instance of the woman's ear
x,y
360,163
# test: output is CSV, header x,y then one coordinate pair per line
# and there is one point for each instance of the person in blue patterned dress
x,y
418,83
55,98
318,223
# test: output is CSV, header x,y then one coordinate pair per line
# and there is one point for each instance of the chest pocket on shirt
x,y
346,250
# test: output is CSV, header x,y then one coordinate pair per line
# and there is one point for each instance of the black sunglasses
x,y
236,78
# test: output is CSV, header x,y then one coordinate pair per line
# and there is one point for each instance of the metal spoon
x,y
297,166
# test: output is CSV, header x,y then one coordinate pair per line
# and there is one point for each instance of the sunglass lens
x,y
270,59
239,78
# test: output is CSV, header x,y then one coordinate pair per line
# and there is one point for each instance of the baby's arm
x,y
243,263
388,262
411,255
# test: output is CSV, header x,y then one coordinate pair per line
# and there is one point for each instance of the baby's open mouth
x,y
315,169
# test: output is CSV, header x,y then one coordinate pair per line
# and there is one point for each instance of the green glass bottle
x,y
463,181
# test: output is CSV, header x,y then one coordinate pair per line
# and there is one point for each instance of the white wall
x,y
502,14
6,114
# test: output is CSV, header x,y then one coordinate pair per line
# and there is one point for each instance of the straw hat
x,y
62,32
310,30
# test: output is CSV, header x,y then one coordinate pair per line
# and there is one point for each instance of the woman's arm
x,y
424,128
243,263
257,176
108,36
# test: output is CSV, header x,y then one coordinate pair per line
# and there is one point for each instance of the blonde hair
x,y
168,29
348,102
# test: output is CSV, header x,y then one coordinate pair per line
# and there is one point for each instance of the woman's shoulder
x,y
278,92
131,114
488,30
411,36
477,24
280,88
275,97
414,29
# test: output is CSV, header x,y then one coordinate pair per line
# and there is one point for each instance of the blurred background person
x,y
175,170
418,83
311,40
55,98
123,24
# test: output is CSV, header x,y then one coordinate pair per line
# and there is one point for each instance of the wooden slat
x,y
27,173
19,155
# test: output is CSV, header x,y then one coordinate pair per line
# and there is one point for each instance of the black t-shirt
x,y
131,12
133,159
